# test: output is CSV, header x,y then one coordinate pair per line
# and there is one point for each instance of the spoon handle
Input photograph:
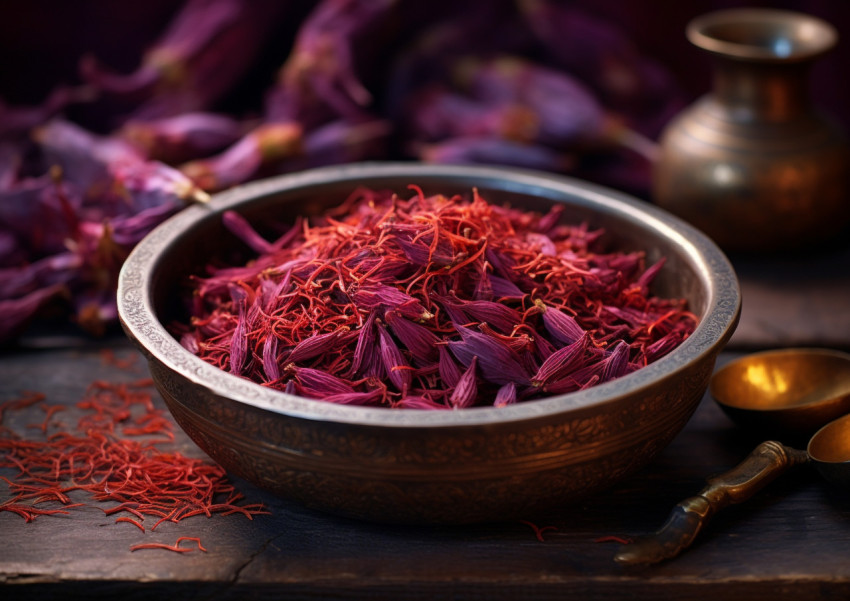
x,y
767,461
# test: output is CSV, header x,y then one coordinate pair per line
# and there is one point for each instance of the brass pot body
x,y
753,164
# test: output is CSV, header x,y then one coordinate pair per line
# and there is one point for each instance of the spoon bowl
x,y
829,451
785,393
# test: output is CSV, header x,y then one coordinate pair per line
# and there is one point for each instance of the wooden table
x,y
792,541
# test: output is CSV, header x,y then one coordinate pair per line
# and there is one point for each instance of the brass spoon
x,y
790,393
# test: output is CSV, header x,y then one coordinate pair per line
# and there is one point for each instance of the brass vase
x,y
753,163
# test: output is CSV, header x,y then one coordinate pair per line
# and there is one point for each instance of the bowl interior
x,y
153,283
208,240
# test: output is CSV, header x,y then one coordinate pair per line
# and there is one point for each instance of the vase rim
x,y
762,34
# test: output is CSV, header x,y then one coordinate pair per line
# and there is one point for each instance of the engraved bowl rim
x,y
716,275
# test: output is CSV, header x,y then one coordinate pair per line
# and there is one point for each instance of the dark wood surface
x,y
792,541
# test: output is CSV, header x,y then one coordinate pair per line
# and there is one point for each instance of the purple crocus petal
x,y
452,308
270,364
243,230
419,340
371,397
663,345
635,318
269,291
483,286
182,137
319,383
562,327
616,364
266,144
548,221
417,253
191,341
506,395
312,347
10,162
17,120
419,402
397,368
648,276
239,337
497,362
563,111
500,316
290,387
466,390
449,371
152,184
339,142
83,156
128,230
321,68
49,271
467,150
205,49
380,295
542,243
504,289
561,362
16,313
365,348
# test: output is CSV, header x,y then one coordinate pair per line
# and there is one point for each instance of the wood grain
x,y
790,542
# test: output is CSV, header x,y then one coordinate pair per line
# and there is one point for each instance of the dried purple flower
x,y
205,50
398,370
561,362
504,289
319,383
240,227
369,397
449,371
314,346
419,340
497,362
562,327
182,137
239,338
506,395
419,402
466,390
267,144
16,313
365,349
380,295
616,363
500,316
271,367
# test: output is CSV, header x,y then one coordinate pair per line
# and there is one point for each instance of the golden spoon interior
x,y
788,392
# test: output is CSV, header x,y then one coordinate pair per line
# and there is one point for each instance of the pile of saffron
x,y
431,302
106,463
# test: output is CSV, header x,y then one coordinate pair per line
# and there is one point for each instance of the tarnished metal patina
x,y
412,466
753,163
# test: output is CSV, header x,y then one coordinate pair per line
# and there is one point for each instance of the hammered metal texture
x,y
410,466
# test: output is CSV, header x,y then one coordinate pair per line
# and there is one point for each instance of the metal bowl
x,y
412,466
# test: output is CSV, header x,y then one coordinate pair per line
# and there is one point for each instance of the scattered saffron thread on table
x,y
175,547
99,459
539,530
623,540
108,357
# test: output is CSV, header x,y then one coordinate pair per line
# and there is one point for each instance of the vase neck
x,y
762,91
